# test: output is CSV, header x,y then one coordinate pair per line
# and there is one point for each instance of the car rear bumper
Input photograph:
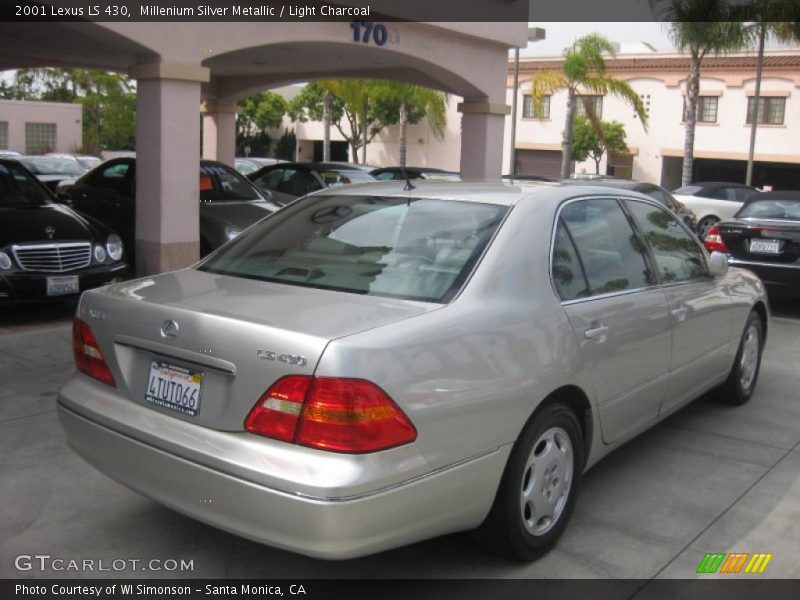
x,y
781,279
335,526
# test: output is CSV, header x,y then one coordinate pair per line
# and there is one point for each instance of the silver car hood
x,y
242,334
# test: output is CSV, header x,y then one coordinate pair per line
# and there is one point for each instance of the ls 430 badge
x,y
289,359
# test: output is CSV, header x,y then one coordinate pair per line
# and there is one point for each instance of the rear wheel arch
x,y
761,311
577,400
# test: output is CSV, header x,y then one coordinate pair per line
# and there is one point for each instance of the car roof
x,y
506,193
786,195
627,184
718,184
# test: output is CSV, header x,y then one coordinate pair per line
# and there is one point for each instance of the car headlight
x,y
232,232
5,261
99,254
114,247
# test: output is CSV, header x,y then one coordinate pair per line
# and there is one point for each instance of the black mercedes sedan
x,y
48,251
229,203
764,237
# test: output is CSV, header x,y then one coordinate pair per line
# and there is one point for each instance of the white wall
x,y
67,117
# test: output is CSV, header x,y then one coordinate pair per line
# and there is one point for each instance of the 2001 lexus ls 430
x,y
332,379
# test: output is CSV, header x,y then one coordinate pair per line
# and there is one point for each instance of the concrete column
x,y
482,127
219,131
167,166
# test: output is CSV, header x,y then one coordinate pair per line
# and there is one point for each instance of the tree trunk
x,y
566,143
597,165
692,92
365,132
326,121
762,33
403,133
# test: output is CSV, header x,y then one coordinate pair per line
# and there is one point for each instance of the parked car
x,y
248,165
350,166
648,189
518,177
367,368
713,201
48,251
764,236
288,181
9,154
229,203
51,170
87,161
399,173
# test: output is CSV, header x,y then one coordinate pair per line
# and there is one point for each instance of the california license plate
x,y
61,286
174,388
765,246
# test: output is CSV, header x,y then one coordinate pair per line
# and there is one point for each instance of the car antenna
x,y
409,186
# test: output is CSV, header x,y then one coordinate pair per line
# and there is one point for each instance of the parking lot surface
x,y
712,478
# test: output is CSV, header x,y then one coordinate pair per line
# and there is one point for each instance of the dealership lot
x,y
712,478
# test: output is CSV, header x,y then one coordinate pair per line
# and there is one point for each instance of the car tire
x,y
540,483
704,224
741,382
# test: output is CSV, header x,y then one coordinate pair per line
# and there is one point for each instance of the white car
x,y
713,201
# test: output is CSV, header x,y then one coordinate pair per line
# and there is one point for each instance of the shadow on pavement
x,y
36,316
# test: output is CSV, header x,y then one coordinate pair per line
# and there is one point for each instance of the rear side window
x,y
568,275
612,256
416,249
269,180
218,183
678,255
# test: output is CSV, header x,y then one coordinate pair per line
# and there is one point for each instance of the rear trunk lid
x,y
766,241
231,337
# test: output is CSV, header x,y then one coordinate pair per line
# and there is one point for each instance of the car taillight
x,y
713,240
330,413
88,357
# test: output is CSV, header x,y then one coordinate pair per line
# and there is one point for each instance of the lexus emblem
x,y
50,231
170,329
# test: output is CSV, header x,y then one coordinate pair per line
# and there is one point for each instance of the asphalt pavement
x,y
711,478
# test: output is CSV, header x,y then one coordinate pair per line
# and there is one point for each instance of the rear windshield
x,y
219,183
18,188
788,210
415,249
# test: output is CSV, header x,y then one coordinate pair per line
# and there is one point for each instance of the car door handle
x,y
596,333
679,314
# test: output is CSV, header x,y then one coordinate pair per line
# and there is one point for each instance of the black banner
x,y
382,10
734,588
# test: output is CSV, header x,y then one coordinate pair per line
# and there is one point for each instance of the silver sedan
x,y
372,366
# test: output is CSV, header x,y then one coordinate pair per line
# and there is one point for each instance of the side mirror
x,y
718,264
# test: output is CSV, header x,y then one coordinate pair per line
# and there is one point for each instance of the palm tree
x,y
584,70
700,28
767,15
422,101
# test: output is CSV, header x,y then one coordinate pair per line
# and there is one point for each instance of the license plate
x,y
61,286
174,388
765,246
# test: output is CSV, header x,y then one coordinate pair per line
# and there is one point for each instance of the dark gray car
x,y
229,203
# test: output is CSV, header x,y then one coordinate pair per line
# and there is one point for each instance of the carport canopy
x,y
184,67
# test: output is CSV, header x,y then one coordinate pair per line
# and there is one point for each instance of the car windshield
x,y
220,183
784,210
49,165
415,249
245,167
18,188
687,190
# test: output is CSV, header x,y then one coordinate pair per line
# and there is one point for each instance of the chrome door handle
x,y
679,313
596,333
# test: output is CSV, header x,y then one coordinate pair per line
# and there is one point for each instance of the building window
x,y
3,135
770,110
40,138
534,110
706,109
646,103
595,104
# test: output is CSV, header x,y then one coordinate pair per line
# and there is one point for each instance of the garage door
x,y
545,163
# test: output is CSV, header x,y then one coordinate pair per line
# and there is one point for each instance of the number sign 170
x,y
366,32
